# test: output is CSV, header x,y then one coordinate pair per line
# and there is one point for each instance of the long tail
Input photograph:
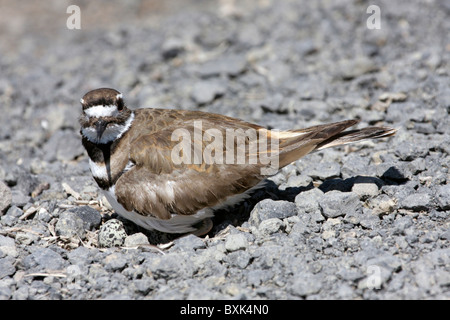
x,y
297,143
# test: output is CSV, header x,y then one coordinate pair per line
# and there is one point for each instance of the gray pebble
x,y
64,145
44,259
169,266
81,256
348,69
268,209
366,186
298,181
206,91
7,267
336,203
308,201
401,224
111,234
270,226
238,259
19,198
172,47
443,196
409,151
324,170
305,284
236,242
115,262
75,221
189,242
70,225
416,202
5,197
136,239
230,65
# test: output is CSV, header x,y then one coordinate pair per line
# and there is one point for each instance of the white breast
x,y
176,224
98,170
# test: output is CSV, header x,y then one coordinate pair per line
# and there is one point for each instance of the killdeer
x,y
169,170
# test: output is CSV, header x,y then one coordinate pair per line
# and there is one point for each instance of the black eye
x,y
120,104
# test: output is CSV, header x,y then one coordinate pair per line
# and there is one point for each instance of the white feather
x,y
98,171
102,111
176,224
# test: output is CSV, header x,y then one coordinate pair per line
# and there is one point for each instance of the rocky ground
x,y
368,221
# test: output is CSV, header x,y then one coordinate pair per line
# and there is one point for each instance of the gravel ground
x,y
368,221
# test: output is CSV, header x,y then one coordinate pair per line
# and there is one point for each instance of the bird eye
x,y
120,104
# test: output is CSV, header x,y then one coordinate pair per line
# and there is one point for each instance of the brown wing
x,y
160,184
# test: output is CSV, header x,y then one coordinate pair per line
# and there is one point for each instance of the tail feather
x,y
297,143
351,136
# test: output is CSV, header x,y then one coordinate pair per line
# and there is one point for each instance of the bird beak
x,y
100,127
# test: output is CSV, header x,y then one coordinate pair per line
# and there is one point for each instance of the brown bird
x,y
170,170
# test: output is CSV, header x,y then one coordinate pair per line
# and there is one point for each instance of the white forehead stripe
x,y
101,111
119,96
82,101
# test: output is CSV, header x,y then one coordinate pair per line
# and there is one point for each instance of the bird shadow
x,y
240,213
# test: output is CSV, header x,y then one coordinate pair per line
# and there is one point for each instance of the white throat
x,y
112,132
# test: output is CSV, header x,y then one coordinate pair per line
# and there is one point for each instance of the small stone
x,y
81,255
189,242
308,201
206,91
172,47
382,205
366,186
91,218
136,239
392,96
238,259
355,164
77,220
169,266
230,65
111,234
8,247
298,181
236,242
19,198
44,215
70,225
369,220
45,258
444,235
305,284
408,151
416,202
401,224
348,69
63,145
268,208
5,198
336,203
270,226
324,170
327,234
115,261
443,197
26,238
7,267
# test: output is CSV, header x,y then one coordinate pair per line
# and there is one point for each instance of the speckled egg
x,y
111,234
